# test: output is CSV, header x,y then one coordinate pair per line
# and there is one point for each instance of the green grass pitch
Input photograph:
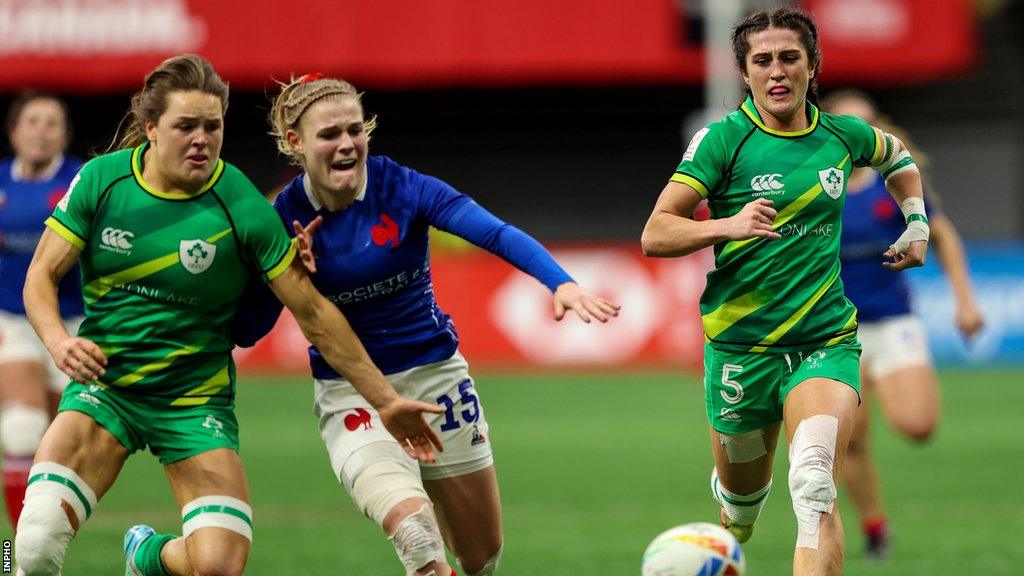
x,y
591,469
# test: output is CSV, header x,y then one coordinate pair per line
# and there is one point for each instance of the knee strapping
x,y
418,540
811,460
490,567
44,533
217,512
21,429
743,509
63,483
384,482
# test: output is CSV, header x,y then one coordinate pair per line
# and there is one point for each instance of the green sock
x,y
147,557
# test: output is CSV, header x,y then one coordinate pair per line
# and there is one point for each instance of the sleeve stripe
x,y
65,232
692,182
283,265
879,155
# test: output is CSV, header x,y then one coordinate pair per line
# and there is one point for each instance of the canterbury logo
x,y
766,182
117,238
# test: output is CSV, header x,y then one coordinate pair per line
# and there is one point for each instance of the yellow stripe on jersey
x,y
691,182
201,394
849,324
779,332
137,171
65,232
720,319
286,261
880,147
784,215
129,379
99,287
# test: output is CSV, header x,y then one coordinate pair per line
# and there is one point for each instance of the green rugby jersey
x,y
784,294
162,273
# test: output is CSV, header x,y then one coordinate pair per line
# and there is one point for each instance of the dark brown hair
x,y
789,18
183,72
26,98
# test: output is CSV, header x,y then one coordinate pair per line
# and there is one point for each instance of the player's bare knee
x,y
482,562
207,516
218,562
811,483
919,430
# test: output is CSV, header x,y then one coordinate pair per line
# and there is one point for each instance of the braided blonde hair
x,y
297,96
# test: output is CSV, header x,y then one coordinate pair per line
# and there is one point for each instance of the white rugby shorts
x,y
18,342
348,422
893,344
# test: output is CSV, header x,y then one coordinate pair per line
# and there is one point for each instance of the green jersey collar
x,y
750,111
137,171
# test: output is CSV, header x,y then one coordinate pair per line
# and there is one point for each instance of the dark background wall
x,y
588,163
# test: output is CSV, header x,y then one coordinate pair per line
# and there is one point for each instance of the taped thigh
x,y
223,512
22,428
743,448
385,477
811,484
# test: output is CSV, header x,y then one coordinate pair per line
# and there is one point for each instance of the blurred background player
x,y
372,261
31,183
781,335
896,366
166,231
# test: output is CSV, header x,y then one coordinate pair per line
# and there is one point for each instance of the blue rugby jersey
x,y
374,264
24,205
872,221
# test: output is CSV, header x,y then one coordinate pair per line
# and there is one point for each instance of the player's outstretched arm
x,y
327,329
671,231
79,358
950,250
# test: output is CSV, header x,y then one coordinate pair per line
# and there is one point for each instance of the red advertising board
x,y
104,45
504,317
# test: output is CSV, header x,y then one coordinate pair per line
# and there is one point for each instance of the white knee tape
x,y
21,429
388,479
744,447
418,540
43,535
743,509
217,512
490,568
812,455
60,481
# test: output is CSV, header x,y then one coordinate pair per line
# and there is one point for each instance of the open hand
x,y
403,418
304,242
79,358
569,296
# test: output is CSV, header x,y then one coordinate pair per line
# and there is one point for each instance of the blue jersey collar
x,y
307,187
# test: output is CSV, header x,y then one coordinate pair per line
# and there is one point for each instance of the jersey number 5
x,y
727,371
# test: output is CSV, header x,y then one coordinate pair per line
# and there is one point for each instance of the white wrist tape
x,y
917,224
